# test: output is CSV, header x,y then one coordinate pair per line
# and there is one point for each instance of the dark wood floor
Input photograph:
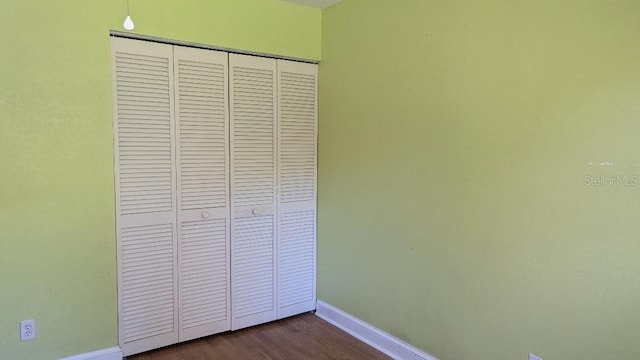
x,y
301,337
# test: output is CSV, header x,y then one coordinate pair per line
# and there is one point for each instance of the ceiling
x,y
320,4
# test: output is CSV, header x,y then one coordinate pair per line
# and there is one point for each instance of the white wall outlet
x,y
534,357
27,330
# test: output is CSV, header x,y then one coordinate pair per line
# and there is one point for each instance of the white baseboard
x,y
369,334
113,353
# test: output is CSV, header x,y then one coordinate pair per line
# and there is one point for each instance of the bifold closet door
x,y
253,190
215,172
297,129
145,194
202,137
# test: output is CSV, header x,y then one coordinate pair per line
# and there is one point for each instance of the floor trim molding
x,y
369,334
114,353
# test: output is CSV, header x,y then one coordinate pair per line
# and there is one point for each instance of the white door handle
x,y
255,212
205,215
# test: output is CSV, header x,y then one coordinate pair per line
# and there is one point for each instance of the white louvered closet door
x,y
202,137
145,194
297,124
253,191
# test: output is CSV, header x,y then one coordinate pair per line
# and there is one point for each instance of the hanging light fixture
x,y
128,23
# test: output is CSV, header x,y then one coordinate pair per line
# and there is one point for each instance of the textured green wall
x,y
454,141
57,237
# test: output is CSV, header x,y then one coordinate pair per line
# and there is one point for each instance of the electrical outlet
x,y
534,357
27,330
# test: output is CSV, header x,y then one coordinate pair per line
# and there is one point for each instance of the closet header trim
x,y
128,35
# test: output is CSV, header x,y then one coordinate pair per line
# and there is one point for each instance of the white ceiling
x,y
320,4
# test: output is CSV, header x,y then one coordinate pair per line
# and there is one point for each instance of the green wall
x,y
57,237
454,138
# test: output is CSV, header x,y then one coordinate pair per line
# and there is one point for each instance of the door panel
x,y
145,194
202,135
253,153
297,124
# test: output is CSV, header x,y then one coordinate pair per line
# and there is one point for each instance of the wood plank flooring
x,y
300,337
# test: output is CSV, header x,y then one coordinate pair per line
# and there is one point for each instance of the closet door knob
x,y
205,215
255,212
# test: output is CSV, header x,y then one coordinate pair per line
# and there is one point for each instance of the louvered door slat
x,y
253,113
147,270
297,87
204,273
253,266
203,191
297,143
145,194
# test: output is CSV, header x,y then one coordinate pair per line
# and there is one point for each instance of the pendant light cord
x,y
128,23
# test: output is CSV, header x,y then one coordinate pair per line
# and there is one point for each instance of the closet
x,y
215,182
